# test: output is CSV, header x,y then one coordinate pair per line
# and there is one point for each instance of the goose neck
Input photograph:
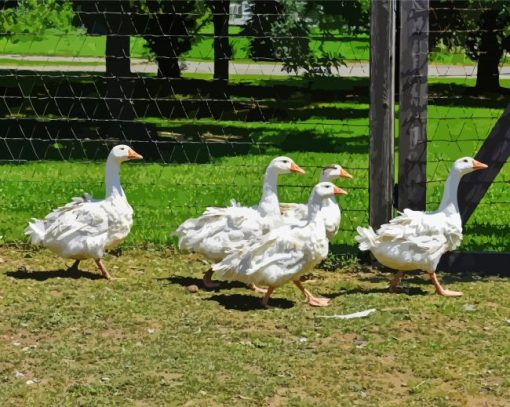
x,y
325,178
112,179
269,204
449,203
314,207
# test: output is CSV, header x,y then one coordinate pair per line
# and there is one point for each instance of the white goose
x,y
298,213
85,228
220,230
285,253
416,240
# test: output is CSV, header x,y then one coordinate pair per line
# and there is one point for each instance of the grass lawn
x,y
306,125
351,48
144,340
23,62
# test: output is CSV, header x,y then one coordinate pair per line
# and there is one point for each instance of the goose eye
x,y
465,160
122,148
285,161
328,186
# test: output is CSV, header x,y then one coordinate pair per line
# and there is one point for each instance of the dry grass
x,y
145,340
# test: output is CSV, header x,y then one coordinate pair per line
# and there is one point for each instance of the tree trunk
x,y
168,67
222,51
487,78
117,55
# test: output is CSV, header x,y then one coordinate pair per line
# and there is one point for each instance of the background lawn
x,y
351,48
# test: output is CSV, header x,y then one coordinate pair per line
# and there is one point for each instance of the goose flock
x,y
269,244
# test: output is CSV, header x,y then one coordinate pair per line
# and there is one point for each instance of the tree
x,y
264,15
281,30
481,27
35,17
222,52
169,30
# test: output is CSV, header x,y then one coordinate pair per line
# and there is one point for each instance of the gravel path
x,y
356,69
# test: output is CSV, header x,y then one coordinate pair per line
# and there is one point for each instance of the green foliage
x,y
281,30
170,30
37,17
480,27
7,21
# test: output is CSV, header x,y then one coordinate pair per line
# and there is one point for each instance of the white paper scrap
x,y
360,314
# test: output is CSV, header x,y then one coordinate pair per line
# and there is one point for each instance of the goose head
x,y
123,153
331,172
284,165
465,165
327,190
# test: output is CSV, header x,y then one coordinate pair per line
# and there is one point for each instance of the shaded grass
x,y
144,340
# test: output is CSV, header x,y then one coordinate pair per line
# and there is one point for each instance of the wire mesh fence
x,y
144,75
468,74
209,92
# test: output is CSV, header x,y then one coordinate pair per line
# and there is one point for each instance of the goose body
x,y
416,240
285,253
219,230
85,228
331,213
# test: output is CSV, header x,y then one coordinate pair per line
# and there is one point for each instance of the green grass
x,y
79,45
24,62
144,340
309,127
71,45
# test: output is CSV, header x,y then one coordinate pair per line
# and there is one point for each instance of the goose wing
x,y
271,260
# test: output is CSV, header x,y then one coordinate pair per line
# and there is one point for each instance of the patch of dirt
x,y
484,401
339,340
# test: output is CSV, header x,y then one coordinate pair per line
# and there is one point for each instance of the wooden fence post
x,y
412,159
494,152
382,103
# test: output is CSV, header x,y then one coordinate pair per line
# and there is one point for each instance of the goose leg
x,y
207,279
74,267
310,298
265,299
440,290
102,268
395,281
257,289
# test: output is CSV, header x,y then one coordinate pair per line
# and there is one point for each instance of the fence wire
x,y
464,106
144,76
209,92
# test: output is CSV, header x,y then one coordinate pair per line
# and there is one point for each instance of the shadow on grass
x,y
242,302
47,274
187,281
378,290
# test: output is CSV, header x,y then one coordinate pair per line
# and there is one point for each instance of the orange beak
x,y
345,174
296,168
477,165
133,155
339,191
